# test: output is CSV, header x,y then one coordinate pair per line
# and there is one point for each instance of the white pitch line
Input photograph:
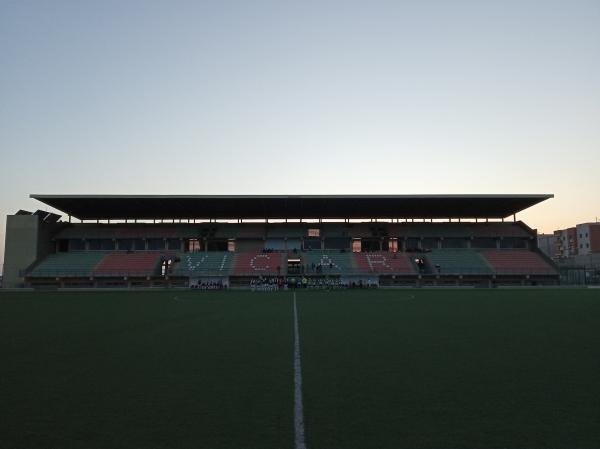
x,y
298,405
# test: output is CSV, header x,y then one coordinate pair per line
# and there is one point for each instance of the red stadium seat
x,y
517,261
142,263
258,263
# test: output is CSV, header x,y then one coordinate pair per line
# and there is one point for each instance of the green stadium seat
x,y
457,261
203,263
384,262
258,263
71,264
331,262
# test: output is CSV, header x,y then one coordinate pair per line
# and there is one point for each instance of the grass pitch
x,y
381,369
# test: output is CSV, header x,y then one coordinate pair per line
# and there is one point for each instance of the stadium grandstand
x,y
135,241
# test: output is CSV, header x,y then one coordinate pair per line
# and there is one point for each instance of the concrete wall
x,y
546,244
21,247
589,260
583,238
566,242
27,240
588,237
595,238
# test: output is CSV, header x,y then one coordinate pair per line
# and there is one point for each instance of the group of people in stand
x,y
218,285
282,283
268,284
276,283
325,284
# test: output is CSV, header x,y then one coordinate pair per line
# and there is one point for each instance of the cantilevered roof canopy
x,y
102,207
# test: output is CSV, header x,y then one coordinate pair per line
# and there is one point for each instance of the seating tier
x,y
329,262
457,261
517,261
71,264
383,262
258,263
138,263
203,263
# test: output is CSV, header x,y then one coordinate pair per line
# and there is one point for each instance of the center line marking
x,y
298,406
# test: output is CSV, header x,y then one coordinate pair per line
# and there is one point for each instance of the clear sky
x,y
309,97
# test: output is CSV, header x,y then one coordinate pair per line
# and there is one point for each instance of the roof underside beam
x,y
118,207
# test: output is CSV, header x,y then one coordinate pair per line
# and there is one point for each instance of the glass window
x,y
454,243
102,245
156,244
108,244
76,245
174,244
312,243
513,242
193,245
429,243
483,242
413,244
125,244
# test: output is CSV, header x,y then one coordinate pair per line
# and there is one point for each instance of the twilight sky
x,y
313,97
